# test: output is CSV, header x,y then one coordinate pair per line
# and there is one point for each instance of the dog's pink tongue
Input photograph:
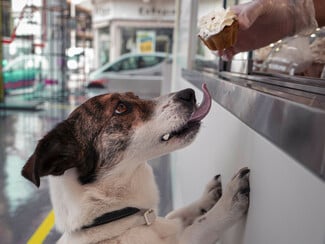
x,y
204,107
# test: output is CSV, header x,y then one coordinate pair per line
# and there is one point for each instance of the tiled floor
x,y
22,206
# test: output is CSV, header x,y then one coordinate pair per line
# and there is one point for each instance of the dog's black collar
x,y
112,216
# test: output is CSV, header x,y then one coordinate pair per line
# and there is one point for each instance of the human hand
x,y
262,22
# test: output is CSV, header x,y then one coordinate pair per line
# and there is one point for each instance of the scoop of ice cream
x,y
215,21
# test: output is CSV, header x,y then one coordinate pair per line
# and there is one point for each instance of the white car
x,y
141,73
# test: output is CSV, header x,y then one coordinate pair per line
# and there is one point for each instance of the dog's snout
x,y
187,96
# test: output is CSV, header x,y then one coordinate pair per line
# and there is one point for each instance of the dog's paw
x,y
212,194
235,199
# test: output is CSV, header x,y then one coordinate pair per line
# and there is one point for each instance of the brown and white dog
x,y
103,190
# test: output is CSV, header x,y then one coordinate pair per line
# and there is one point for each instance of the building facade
x,y
131,26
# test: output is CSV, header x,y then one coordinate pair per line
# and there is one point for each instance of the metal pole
x,y
224,3
2,94
73,30
249,70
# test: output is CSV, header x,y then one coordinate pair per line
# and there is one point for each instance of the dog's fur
x,y
97,163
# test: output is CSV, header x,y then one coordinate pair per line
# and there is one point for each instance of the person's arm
x,y
262,22
319,6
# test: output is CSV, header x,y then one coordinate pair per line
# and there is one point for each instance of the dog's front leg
x,y
190,213
228,210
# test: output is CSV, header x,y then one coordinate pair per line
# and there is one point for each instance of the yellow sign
x,y
146,41
146,47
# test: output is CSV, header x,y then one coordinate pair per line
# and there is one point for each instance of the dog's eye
x,y
121,108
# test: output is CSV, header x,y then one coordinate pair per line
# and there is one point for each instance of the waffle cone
x,y
224,39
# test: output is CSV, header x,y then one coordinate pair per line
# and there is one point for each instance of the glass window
x,y
6,18
114,68
162,38
103,45
18,65
129,64
298,55
204,58
149,61
293,56
125,64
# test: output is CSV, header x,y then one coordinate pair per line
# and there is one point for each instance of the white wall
x,y
287,201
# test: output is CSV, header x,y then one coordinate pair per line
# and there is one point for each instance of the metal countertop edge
x,y
295,128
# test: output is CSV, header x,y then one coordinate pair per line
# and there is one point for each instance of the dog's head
x,y
116,129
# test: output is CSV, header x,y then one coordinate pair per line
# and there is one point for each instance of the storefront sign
x,y
102,11
128,9
146,41
154,11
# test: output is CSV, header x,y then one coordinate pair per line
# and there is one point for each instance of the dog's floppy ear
x,y
54,154
29,171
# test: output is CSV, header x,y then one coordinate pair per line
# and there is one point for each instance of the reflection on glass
x,y
298,55
205,59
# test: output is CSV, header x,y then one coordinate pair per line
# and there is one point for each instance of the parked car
x,y
128,65
23,72
140,73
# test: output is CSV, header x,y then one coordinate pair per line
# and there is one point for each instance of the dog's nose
x,y
187,96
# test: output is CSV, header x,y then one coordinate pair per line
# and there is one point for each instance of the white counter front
x,y
287,200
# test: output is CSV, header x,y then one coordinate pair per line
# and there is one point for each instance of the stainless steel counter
x,y
289,114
